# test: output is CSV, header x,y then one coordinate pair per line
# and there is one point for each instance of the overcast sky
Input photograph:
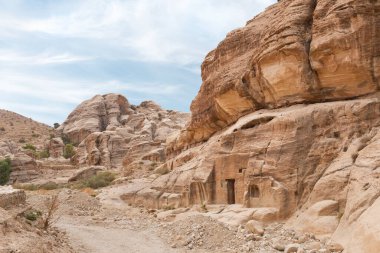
x,y
56,53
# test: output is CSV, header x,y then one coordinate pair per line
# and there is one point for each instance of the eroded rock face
x,y
272,158
10,197
319,159
55,146
98,114
115,134
24,168
296,51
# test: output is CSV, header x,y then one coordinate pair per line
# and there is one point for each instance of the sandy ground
x,y
90,238
106,224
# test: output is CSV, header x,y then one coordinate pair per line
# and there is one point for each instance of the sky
x,y
56,53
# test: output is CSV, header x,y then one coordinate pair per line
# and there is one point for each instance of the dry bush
x,y
52,208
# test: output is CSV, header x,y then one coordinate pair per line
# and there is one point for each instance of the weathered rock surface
x,y
10,197
24,168
255,227
115,134
86,173
95,115
55,146
287,118
296,51
275,157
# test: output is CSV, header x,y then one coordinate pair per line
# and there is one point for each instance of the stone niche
x,y
229,178
233,181
265,192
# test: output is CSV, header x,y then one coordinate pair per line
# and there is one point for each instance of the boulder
x,y
10,197
24,168
319,219
86,173
255,227
265,214
292,248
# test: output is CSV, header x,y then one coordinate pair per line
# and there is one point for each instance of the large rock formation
x,y
287,118
95,115
112,133
297,51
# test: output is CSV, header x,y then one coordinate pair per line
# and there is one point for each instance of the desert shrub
x,y
33,187
56,125
69,151
51,215
2,129
32,215
35,135
5,171
29,147
65,139
43,154
21,140
101,179
49,186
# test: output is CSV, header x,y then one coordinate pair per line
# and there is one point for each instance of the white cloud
x,y
45,58
38,47
161,30
74,91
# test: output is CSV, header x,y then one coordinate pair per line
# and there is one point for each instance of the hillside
x,y
21,129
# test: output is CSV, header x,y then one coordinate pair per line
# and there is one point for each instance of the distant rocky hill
x,y
21,130
111,132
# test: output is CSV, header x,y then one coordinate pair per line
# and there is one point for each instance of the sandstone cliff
x,y
295,52
287,118
112,133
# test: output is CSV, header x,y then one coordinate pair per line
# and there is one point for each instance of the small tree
x,y
69,151
5,171
56,125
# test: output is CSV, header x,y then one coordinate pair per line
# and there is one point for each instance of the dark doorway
x,y
254,191
231,191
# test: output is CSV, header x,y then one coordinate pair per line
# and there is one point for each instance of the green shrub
x,y
29,147
43,154
102,179
69,151
5,171
32,215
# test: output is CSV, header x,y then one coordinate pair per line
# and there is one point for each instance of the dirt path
x,y
90,238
